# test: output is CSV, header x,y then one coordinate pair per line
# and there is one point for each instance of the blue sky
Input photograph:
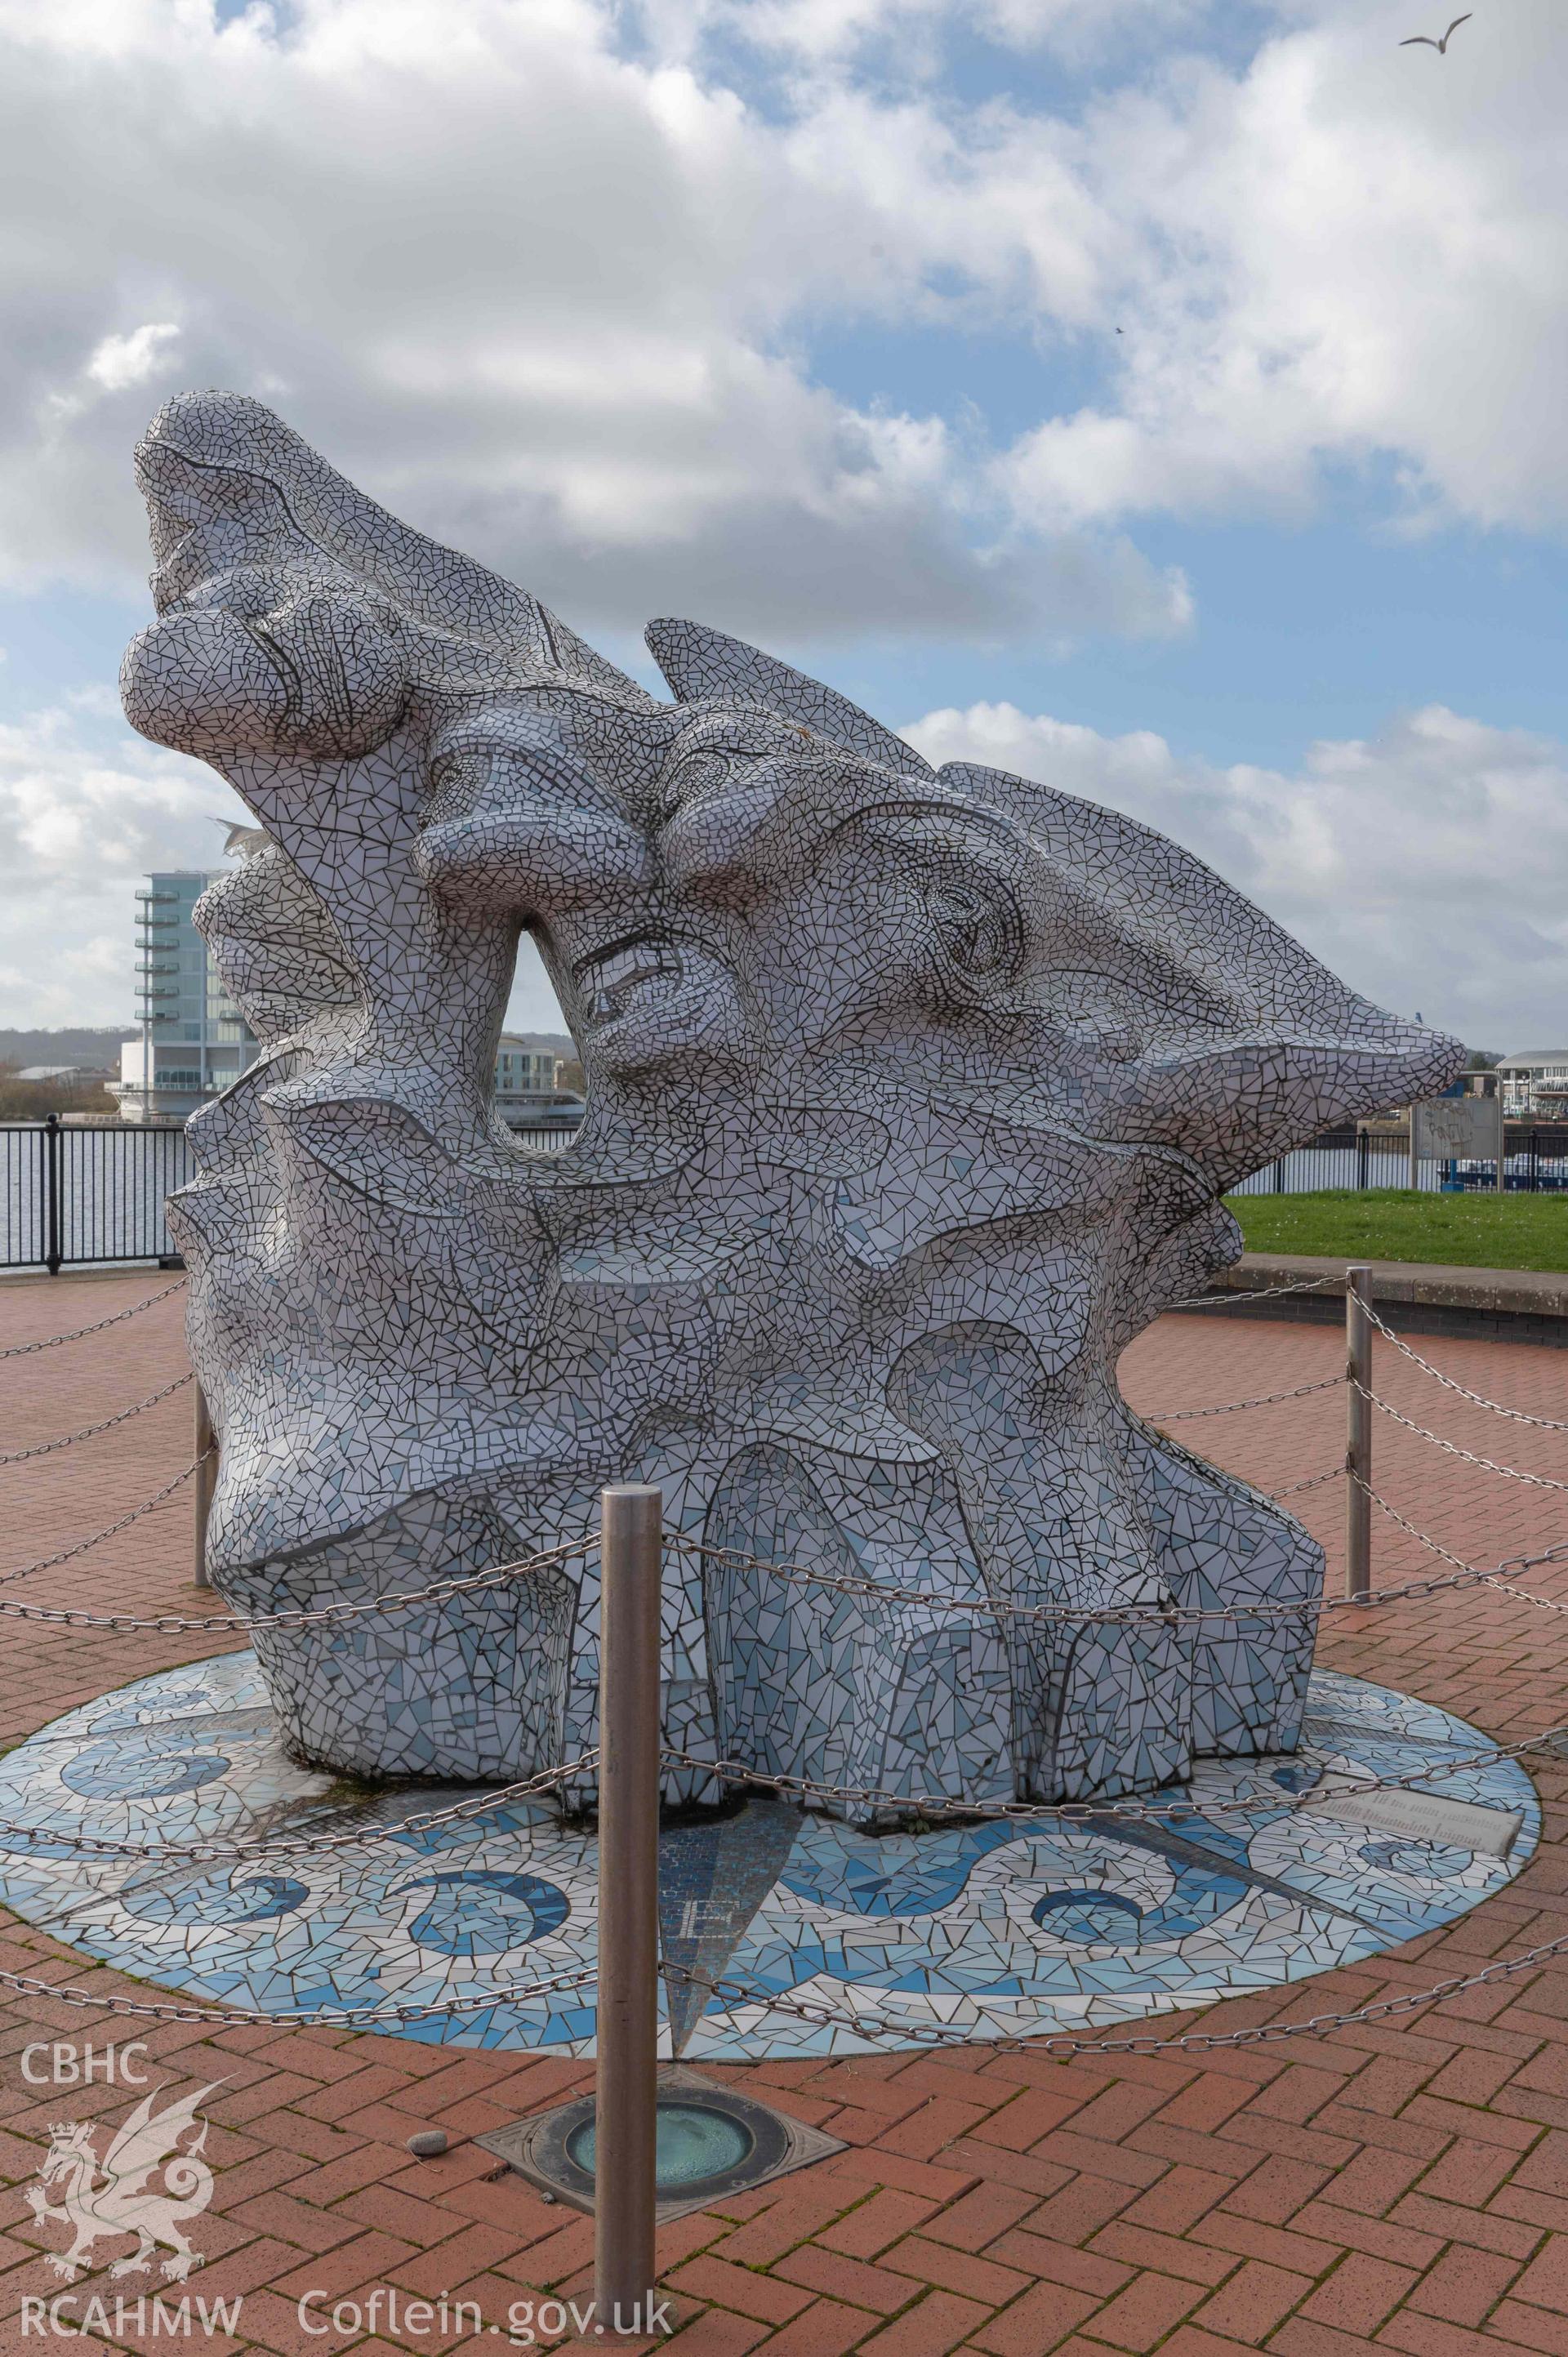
x,y
800,315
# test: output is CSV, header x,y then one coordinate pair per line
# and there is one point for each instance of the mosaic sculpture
x,y
912,1097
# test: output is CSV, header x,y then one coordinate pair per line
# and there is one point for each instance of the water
x,y
110,1184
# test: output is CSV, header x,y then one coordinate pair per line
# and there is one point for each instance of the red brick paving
x,y
1403,2187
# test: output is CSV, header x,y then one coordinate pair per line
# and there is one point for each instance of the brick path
x,y
1405,2188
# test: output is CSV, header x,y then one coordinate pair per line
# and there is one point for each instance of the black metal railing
x,y
1535,1162
91,1193
79,1194
87,1193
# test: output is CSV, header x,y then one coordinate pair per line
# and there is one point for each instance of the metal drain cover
x,y
710,2141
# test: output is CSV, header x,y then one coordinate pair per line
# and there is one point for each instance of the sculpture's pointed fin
x,y
1164,945
220,458
703,665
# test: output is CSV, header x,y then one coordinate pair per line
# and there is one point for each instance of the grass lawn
x,y
1391,1223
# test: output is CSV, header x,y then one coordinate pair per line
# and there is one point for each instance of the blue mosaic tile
x,y
991,1928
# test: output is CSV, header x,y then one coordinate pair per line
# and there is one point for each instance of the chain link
x,y
1313,1481
171,1623
1469,1575
1228,1293
319,2017
935,1805
480,1805
1506,1588
1515,1414
69,1553
25,1350
1116,1616
1122,1616
1267,2033
1268,1399
91,1431
1451,1448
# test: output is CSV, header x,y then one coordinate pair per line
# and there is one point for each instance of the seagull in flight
x,y
1426,41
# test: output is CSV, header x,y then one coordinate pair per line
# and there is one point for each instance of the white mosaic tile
x,y
911,1099
994,1929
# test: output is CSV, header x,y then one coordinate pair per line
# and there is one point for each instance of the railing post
x,y
206,1481
1414,1180
53,1256
625,2111
1359,1438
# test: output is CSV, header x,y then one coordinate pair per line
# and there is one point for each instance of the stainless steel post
x,y
1359,1439
631,1528
1414,1180
205,1479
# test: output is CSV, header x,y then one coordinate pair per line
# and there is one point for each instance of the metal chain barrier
x,y
1515,1414
320,2016
50,1341
1317,2025
935,1805
1470,1576
1313,1482
480,1805
1452,1449
1123,1615
171,1623
69,1553
1251,1293
1541,1603
1230,1407
91,1431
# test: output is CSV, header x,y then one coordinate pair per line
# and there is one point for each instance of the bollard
x,y
205,1480
1358,1441
625,2108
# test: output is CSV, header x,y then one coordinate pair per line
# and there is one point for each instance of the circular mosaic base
x,y
985,1928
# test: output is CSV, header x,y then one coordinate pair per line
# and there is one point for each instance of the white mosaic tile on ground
x,y
992,1929
912,1097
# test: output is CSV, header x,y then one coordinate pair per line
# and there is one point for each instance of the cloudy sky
x,y
1163,398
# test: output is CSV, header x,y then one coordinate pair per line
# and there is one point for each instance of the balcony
x,y
164,899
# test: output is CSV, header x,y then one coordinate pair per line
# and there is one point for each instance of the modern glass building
x,y
528,1086
193,1040
1535,1082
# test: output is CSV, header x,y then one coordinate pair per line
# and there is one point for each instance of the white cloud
x,y
85,810
557,297
537,295
120,362
1350,251
1428,866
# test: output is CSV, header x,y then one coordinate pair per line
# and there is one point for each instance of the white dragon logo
x,y
114,2195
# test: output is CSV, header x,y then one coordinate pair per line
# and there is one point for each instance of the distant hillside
x,y
97,1046
543,1043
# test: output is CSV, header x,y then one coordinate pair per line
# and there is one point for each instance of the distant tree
x,y
34,1100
